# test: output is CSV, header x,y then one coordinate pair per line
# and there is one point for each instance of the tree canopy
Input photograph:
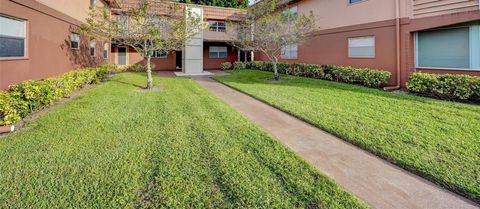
x,y
219,3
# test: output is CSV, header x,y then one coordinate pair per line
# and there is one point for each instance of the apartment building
x,y
212,48
400,36
38,38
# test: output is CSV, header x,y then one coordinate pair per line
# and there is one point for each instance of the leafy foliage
x,y
226,65
28,96
180,147
219,3
362,76
439,140
445,86
269,26
145,25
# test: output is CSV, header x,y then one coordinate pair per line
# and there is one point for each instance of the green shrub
x,y
445,86
226,66
365,76
239,66
28,96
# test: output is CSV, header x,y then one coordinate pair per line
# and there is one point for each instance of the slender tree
x,y
268,27
149,26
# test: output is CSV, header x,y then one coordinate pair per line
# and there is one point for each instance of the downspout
x,y
398,51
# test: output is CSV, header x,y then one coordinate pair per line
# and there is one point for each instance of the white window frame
x,y
213,26
474,39
72,40
218,50
288,50
25,37
106,48
159,55
94,47
350,39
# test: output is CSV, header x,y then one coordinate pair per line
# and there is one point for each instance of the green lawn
x,y
180,147
437,139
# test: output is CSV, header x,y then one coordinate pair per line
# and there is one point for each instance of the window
x,y
354,1
92,48
93,3
361,47
217,26
290,52
105,50
123,21
452,48
159,54
74,40
217,52
12,37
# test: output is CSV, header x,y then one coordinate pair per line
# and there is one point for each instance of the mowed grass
x,y
437,139
177,147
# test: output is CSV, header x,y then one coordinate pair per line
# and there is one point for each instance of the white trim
x,y
25,38
349,39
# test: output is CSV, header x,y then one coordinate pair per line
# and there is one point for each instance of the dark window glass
x,y
354,1
12,47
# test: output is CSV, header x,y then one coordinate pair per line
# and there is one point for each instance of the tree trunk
x,y
275,70
149,73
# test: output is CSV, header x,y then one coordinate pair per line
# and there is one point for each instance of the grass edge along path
x,y
178,147
346,110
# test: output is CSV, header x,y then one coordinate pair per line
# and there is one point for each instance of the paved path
x,y
377,182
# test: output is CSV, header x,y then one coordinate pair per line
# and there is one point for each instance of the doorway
x,y
178,59
122,55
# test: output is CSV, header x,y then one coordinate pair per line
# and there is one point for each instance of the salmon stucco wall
x,y
331,47
48,51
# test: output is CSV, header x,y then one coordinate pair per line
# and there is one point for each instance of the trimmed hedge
x,y
28,96
362,76
445,86
226,66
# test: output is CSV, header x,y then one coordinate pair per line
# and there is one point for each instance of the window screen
x,y
105,50
290,52
217,26
361,47
92,48
447,48
217,52
74,40
12,37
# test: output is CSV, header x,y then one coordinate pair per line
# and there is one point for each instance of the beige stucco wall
x,y
77,9
338,13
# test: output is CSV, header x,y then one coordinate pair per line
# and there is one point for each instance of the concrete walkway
x,y
377,182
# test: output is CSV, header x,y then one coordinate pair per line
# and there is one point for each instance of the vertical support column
x,y
238,55
192,56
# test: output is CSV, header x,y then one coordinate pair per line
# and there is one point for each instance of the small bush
x,y
445,86
239,66
365,76
28,96
226,66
